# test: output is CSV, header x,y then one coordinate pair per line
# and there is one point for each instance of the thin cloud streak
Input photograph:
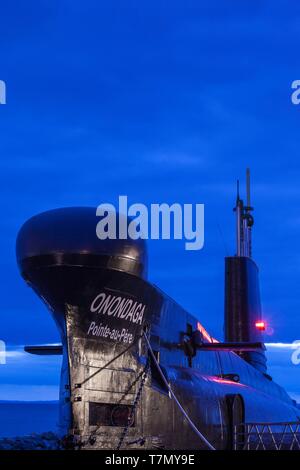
x,y
294,345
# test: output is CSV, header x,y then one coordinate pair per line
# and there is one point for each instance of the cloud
x,y
282,369
27,377
16,354
167,160
295,396
21,392
285,346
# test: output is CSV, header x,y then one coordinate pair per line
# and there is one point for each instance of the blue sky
x,y
164,101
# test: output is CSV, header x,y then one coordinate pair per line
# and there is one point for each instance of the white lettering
x,y
117,306
198,234
167,221
106,227
295,96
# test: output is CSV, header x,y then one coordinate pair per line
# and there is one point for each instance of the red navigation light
x,y
260,325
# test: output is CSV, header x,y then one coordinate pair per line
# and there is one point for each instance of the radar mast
x,y
244,221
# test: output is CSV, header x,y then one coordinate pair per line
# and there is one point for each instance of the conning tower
x,y
243,315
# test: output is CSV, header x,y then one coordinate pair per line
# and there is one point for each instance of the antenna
x,y
244,221
248,187
237,190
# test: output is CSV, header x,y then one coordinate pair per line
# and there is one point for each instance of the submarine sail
x,y
242,294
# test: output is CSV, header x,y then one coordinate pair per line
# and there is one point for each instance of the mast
x,y
242,312
244,221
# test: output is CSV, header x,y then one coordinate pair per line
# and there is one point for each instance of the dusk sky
x,y
163,101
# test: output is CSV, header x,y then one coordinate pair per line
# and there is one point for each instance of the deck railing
x,y
267,436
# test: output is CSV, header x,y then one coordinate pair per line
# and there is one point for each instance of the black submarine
x,y
138,371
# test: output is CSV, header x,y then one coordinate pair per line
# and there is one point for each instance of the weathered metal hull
x,y
158,423
103,306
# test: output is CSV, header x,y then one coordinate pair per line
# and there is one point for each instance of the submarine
x,y
138,370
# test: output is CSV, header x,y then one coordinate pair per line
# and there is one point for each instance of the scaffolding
x,y
267,436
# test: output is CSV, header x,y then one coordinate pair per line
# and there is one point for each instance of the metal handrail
x,y
267,436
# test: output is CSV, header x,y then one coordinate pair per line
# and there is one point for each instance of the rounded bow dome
x,y
68,235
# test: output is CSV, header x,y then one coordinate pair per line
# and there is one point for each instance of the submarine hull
x,y
112,393
100,314
94,401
